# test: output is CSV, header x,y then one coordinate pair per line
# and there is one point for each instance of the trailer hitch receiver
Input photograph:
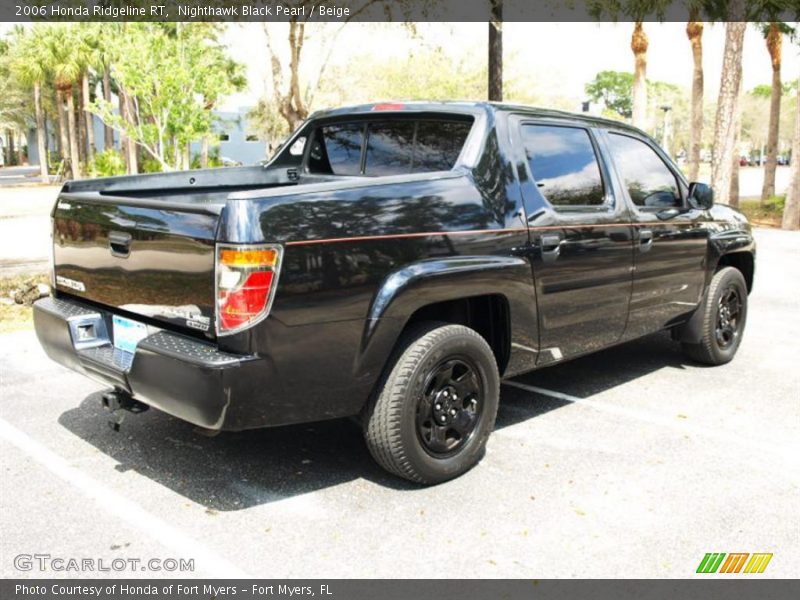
x,y
118,402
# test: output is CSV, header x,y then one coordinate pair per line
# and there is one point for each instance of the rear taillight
x,y
247,276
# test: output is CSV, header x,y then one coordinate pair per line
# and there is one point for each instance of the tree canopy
x,y
172,74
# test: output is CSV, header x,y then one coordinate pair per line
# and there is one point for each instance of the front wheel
x,y
724,318
433,415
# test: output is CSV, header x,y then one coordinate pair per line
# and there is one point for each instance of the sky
x,y
562,57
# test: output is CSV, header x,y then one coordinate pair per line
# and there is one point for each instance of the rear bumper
x,y
179,375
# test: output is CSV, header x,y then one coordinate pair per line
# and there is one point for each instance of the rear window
x,y
393,147
336,149
438,144
390,148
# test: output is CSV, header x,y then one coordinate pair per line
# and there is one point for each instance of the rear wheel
x,y
724,318
433,415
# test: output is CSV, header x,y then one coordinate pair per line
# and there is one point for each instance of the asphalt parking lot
x,y
630,463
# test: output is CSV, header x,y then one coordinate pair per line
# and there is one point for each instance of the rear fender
x,y
432,281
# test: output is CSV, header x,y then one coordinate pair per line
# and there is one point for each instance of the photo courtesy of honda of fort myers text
x,y
401,299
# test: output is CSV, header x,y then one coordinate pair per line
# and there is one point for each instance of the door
x,y
581,239
670,238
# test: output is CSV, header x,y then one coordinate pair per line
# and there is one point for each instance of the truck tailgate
x,y
146,256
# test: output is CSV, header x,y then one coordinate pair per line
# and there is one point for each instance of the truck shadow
x,y
235,471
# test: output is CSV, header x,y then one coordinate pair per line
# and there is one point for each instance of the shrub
x,y
108,163
151,165
213,159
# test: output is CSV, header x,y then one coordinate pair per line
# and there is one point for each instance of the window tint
x,y
649,181
438,144
564,165
393,147
337,149
390,146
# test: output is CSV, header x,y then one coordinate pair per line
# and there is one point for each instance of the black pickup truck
x,y
392,262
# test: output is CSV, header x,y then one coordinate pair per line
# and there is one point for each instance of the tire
x,y
722,329
441,372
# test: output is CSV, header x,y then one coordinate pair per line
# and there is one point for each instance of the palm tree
x,y
639,43
30,67
773,35
637,11
14,100
86,50
694,31
65,72
791,211
730,84
104,33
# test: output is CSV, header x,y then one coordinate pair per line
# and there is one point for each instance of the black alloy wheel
x,y
728,313
450,407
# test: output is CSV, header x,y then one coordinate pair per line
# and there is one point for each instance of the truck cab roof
x,y
469,107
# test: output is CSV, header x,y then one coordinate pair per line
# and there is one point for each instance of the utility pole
x,y
496,51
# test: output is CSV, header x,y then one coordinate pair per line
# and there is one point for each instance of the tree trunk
x,y
774,46
74,153
730,83
733,192
791,210
11,150
639,46
694,31
123,138
187,156
46,134
128,145
63,135
88,118
204,152
41,132
496,52
80,119
108,133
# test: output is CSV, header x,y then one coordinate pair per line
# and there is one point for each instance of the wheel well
x,y
488,315
742,261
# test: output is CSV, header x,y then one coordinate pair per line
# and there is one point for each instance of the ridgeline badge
x,y
713,562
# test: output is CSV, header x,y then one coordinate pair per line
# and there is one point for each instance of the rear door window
x,y
564,165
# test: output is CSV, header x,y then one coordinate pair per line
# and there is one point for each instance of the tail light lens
x,y
247,277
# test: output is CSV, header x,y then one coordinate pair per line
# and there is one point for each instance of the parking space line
x,y
121,507
647,417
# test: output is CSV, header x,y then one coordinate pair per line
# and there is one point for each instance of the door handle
x,y
550,246
645,239
119,243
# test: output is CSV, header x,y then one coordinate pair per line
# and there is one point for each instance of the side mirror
x,y
701,195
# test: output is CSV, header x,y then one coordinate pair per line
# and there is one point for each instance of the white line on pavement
x,y
640,415
119,506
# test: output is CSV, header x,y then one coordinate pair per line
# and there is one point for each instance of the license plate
x,y
128,333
